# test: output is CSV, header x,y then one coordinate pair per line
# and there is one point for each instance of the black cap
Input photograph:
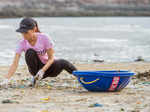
x,y
25,25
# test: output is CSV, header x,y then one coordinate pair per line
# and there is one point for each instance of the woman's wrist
x,y
47,65
43,69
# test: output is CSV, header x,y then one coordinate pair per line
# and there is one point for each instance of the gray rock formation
x,y
19,8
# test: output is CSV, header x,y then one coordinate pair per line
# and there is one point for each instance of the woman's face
x,y
29,34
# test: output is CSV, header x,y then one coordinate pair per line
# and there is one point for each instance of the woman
x,y
39,54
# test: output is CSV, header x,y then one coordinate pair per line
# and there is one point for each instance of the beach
x,y
64,94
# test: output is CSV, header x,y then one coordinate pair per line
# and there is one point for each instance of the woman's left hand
x,y
39,75
5,83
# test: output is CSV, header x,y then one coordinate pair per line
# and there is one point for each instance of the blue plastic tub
x,y
103,80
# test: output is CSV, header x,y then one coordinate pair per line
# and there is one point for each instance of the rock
x,y
135,111
122,110
98,60
18,74
95,54
143,76
22,8
139,59
9,101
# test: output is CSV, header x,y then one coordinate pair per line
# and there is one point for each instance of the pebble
x,y
9,101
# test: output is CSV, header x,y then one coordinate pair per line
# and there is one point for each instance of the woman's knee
x,y
30,55
67,65
32,61
30,52
63,61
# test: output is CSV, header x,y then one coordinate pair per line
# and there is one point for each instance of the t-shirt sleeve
x,y
48,42
19,47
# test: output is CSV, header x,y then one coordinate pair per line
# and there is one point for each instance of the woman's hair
x,y
37,27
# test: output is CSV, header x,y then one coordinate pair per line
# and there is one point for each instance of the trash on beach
x,y
16,97
138,102
45,99
9,101
97,58
131,93
96,105
44,111
83,99
21,86
22,91
49,87
146,83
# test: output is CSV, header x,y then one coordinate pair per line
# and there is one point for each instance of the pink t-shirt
x,y
42,44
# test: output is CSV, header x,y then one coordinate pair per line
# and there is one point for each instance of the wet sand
x,y
64,94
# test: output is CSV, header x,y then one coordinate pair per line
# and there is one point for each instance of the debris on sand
x,y
96,105
45,100
144,76
9,101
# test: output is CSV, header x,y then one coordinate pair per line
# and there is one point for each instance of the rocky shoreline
x,y
56,8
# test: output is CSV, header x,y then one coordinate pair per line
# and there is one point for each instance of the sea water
x,y
84,39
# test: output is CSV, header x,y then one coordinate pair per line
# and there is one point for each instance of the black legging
x,y
34,65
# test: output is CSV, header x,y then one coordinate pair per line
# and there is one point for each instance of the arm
x,y
50,53
14,66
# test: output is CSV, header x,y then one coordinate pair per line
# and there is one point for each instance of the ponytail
x,y
37,28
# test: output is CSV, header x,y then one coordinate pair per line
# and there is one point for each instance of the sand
x,y
64,94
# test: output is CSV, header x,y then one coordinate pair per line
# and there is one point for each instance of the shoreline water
x,y
109,39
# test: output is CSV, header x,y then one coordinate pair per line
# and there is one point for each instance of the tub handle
x,y
82,80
